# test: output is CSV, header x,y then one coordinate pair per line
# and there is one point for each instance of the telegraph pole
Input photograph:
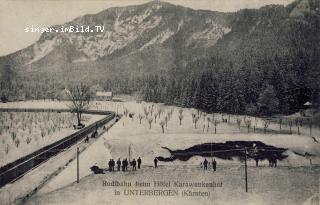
x,y
245,167
129,149
77,164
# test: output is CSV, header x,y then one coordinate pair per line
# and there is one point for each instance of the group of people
x,y
213,163
123,165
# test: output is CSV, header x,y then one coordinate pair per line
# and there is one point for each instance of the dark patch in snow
x,y
227,151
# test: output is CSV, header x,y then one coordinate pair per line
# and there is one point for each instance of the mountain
x,y
158,38
129,31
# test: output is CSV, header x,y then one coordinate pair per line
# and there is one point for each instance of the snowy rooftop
x,y
104,94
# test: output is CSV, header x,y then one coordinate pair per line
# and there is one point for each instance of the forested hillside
x,y
256,61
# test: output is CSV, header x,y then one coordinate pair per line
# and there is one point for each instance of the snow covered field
x,y
292,182
23,133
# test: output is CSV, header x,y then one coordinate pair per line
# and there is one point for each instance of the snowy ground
x,y
33,180
266,186
293,182
45,129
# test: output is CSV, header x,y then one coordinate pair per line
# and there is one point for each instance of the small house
x,y
307,105
103,96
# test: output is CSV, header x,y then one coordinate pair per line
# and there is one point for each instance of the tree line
x,y
269,86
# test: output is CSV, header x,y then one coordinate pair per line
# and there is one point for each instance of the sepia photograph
x,y
159,102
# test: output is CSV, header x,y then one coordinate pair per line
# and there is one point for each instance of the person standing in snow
x,y
110,165
118,164
155,162
123,165
205,164
139,162
126,164
214,165
134,163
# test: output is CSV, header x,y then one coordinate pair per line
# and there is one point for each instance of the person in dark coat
x,y
110,165
134,163
205,164
119,164
123,165
155,162
139,162
126,165
214,165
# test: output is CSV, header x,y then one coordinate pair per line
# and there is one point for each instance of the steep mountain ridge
x,y
128,30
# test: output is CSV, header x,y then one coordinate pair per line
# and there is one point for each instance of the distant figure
x,y
123,165
110,165
113,164
118,164
205,164
214,165
139,162
155,162
273,162
134,163
126,163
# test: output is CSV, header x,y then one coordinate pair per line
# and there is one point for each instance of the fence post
x,y
245,167
77,164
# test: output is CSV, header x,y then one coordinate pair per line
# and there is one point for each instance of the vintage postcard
x,y
159,102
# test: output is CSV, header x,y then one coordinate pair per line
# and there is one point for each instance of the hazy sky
x,y
16,15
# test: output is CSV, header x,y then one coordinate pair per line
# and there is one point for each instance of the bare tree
x,y
155,117
125,111
80,98
204,116
298,124
146,112
162,123
150,122
180,118
266,124
209,121
193,117
248,124
196,119
140,116
166,120
151,109
160,110
310,126
290,125
280,123
239,122
215,122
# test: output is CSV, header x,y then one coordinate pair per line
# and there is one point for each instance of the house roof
x,y
104,94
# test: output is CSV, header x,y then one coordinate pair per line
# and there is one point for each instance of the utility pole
x,y
129,149
245,167
77,164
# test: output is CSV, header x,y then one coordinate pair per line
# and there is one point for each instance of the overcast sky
x,y
16,15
